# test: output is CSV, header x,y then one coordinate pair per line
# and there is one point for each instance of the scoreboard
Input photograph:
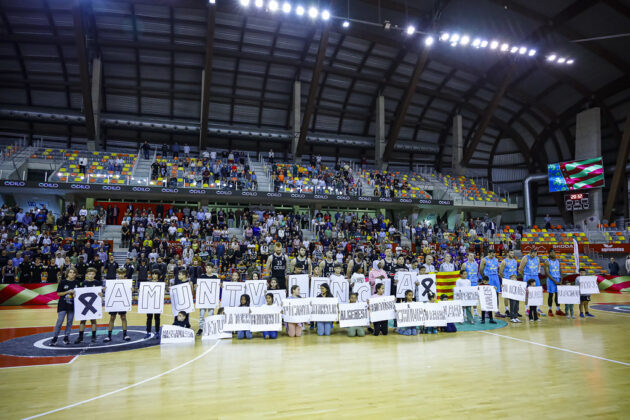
x,y
576,201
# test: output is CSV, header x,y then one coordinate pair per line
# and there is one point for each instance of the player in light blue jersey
x,y
554,278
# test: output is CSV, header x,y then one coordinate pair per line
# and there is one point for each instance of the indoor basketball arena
x,y
314,209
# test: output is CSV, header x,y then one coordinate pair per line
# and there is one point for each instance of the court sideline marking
x,y
556,348
116,391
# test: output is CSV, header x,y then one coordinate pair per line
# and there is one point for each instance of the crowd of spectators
x,y
316,178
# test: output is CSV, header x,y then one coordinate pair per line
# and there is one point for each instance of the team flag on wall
x,y
576,175
445,283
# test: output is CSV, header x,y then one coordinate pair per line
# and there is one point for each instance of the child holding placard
x,y
294,329
65,305
120,274
155,277
513,312
355,331
325,328
484,282
468,315
568,307
380,327
245,300
584,299
450,326
408,330
433,330
269,334
89,281
533,310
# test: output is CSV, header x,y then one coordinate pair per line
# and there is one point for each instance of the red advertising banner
x,y
567,248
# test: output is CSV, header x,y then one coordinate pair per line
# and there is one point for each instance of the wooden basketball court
x,y
557,368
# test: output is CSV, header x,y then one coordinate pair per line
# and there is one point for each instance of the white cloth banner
x,y
118,295
172,334
208,293
406,281
467,295
382,308
231,293
410,314
488,298
426,284
151,297
256,289
363,291
534,296
88,303
324,309
588,285
237,319
513,289
296,310
316,283
278,296
266,318
213,330
181,298
569,295
453,309
354,315
340,289
435,315
302,281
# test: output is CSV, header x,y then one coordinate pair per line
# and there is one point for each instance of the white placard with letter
x,y
316,283
213,330
237,319
151,297
569,295
388,285
534,296
88,303
324,309
208,293
453,309
363,291
466,295
266,318
302,281
382,308
231,293
427,283
357,278
256,289
172,334
435,315
406,281
118,295
410,314
353,315
278,296
588,285
513,289
488,298
181,298
340,289
296,310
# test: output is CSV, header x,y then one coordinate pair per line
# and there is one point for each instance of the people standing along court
x,y
65,305
277,265
554,278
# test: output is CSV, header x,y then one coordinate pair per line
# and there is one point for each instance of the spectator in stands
x,y
547,221
613,267
628,265
83,164
145,149
164,150
271,156
187,151
175,150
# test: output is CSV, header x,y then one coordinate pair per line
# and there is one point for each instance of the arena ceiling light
x,y
286,7
494,45
299,11
325,15
273,6
346,24
258,3
313,12
411,30
464,40
429,40
244,3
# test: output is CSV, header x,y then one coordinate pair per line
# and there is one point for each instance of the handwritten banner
x,y
300,280
297,310
534,296
118,295
488,298
588,285
569,295
382,308
467,295
340,289
88,303
213,328
266,318
151,297
256,289
172,334
363,291
181,298
453,310
208,293
237,319
435,315
324,309
232,292
410,314
406,281
513,289
353,315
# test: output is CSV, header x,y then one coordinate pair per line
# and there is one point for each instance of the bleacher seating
x,y
100,168
401,185
468,189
